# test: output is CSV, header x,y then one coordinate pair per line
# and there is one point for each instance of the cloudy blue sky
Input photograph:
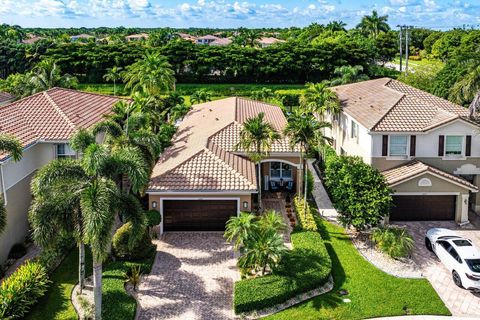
x,y
226,13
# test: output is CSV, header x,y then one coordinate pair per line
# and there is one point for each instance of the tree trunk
x,y
306,186
260,186
81,266
97,288
114,91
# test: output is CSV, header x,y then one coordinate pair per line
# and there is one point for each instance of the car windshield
x,y
462,243
473,264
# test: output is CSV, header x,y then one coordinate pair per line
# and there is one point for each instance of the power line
x,y
407,39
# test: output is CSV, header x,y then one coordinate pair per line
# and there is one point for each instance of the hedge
x,y
305,217
304,268
22,289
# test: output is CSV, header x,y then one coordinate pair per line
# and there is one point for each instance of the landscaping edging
x,y
327,287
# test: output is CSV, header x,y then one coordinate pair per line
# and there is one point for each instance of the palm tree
x,y
12,146
200,96
319,98
336,26
90,184
465,90
152,74
374,24
238,229
348,74
305,131
46,74
256,139
113,74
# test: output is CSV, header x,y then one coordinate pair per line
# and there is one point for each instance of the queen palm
x,y
304,131
348,74
47,74
465,90
152,74
374,24
87,187
113,74
256,139
13,147
318,98
200,96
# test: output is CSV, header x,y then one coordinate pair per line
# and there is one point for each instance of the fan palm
x,y
305,131
47,74
152,74
12,146
374,24
348,74
201,96
113,74
256,139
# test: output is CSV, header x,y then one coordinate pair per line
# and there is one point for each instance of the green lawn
x,y
420,63
117,304
372,292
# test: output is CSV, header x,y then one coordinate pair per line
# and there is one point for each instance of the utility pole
x,y
400,45
406,49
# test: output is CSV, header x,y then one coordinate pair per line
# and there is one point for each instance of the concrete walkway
x,y
324,205
424,318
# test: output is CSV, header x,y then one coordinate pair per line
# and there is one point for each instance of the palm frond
x,y
11,145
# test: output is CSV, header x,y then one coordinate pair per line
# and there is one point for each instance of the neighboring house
x,y
206,39
187,37
80,37
32,40
427,147
268,41
137,37
202,180
221,42
5,98
44,123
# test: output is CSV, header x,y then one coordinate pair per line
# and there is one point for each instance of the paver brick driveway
x,y
460,301
192,278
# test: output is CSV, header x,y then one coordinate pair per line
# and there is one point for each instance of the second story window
x,y
65,152
398,146
354,131
453,146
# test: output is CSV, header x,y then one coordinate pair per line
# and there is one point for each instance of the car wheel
x,y
456,279
428,244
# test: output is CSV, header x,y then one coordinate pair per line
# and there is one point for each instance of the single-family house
x,y
32,39
221,42
44,123
81,37
203,178
427,148
136,37
268,41
206,39
186,36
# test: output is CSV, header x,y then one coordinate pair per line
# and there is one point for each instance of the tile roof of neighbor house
x,y
137,36
269,40
208,37
52,115
386,105
221,42
201,156
32,40
6,97
415,167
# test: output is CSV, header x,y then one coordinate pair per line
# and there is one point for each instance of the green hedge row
x,y
304,268
22,289
305,217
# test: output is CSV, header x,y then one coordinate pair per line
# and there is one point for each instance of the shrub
x,y
17,251
305,217
133,276
289,98
310,182
358,191
22,289
394,241
304,268
122,248
153,218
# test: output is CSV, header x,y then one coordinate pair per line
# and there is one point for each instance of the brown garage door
x,y
197,215
418,208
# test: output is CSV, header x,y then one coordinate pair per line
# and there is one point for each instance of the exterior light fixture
x,y
245,204
154,204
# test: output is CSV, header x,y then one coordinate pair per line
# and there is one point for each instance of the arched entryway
x,y
281,172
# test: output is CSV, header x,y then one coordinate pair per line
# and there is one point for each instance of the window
x,y
473,264
280,170
64,151
354,132
454,146
398,146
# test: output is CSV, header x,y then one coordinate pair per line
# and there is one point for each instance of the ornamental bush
x,y
122,249
22,289
394,241
305,217
153,218
358,191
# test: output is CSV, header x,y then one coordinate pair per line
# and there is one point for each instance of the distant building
x,y
137,37
187,37
268,41
82,36
206,39
221,42
32,40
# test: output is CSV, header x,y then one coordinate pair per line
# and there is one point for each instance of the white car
x,y
458,254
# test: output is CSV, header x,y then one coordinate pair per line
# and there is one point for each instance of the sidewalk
x,y
424,318
325,207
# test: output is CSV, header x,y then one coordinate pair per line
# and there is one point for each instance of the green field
x,y
420,63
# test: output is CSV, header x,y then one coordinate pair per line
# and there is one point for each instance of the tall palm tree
x,y
465,90
305,131
336,25
152,74
47,74
348,74
90,184
200,96
256,139
113,74
12,146
320,99
373,24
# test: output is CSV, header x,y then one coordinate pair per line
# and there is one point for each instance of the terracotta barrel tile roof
x,y
386,105
416,167
203,157
52,115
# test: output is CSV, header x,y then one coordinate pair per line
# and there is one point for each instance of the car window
x,y
473,264
445,245
462,243
454,254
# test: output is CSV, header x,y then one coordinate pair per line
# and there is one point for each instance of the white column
x,y
464,209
